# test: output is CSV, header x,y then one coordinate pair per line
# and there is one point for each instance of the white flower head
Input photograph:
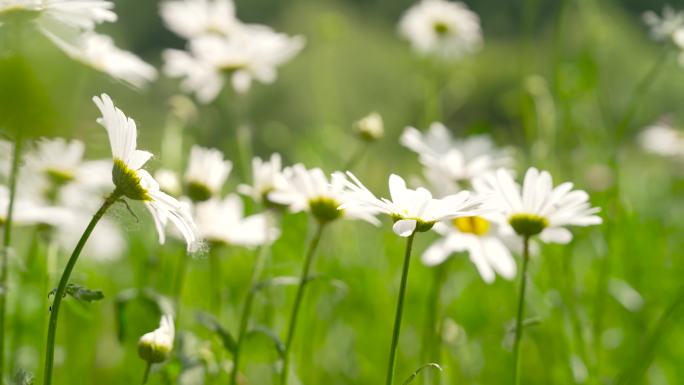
x,y
135,183
663,27
253,53
662,139
99,52
309,190
206,173
222,221
370,128
26,211
480,237
450,163
156,346
77,14
443,28
537,208
412,210
57,158
194,18
267,175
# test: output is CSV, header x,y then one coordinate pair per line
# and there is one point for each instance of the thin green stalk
x,y
356,156
303,280
146,375
60,293
400,310
521,310
215,282
6,242
247,308
432,341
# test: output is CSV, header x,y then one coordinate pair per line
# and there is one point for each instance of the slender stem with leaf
x,y
400,310
60,292
303,280
259,264
521,310
6,243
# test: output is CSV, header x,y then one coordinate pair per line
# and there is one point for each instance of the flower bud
x,y
155,347
370,128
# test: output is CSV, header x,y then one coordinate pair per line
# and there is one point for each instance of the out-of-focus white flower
x,y
309,190
662,139
443,28
135,183
78,14
106,241
99,52
6,151
370,127
253,53
678,39
194,18
27,212
478,236
537,208
168,182
207,172
222,221
266,177
155,347
451,164
663,27
411,210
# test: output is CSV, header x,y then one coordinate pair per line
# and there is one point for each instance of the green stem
x,y
215,278
400,310
6,242
521,310
356,156
432,343
64,280
303,280
247,308
146,375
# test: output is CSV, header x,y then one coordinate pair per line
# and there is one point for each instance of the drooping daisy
x,y
412,210
206,173
481,239
99,52
266,177
221,221
132,181
537,208
446,29
194,18
253,53
309,190
451,164
370,128
156,346
662,139
663,27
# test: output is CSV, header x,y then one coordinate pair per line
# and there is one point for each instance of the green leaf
x,y
81,293
417,372
293,281
212,324
270,334
22,378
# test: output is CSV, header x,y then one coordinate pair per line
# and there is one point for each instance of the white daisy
x,y
27,212
135,183
537,208
206,173
252,54
309,190
451,164
662,139
370,127
99,52
411,210
266,176
481,239
444,28
194,18
221,221
663,27
156,346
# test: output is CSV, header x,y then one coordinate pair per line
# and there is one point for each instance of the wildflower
x,y
221,221
132,181
155,347
267,176
446,29
309,190
194,18
207,172
79,15
370,128
411,210
664,27
538,208
453,163
480,236
662,139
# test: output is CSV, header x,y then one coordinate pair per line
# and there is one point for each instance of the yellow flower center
x,y
441,28
528,224
472,225
127,182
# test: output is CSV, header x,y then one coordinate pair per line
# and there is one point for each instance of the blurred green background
x,y
553,80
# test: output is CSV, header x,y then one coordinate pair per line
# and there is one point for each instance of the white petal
x,y
404,227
